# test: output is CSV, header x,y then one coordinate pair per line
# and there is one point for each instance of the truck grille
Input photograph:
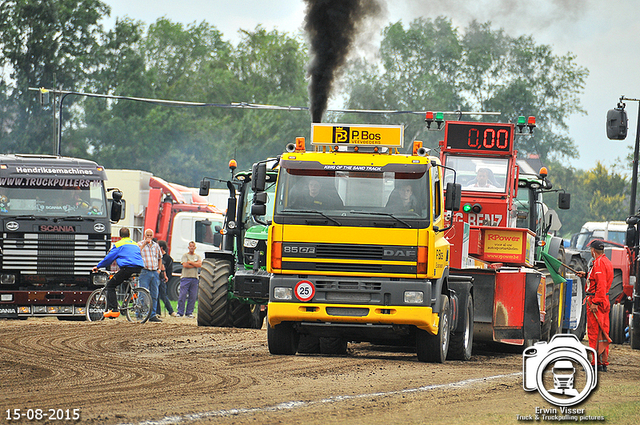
x,y
52,254
349,258
357,252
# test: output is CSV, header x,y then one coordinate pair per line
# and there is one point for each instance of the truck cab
x,y
56,226
356,247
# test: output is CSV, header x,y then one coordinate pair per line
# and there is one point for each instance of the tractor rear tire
x,y
213,289
282,339
434,348
618,324
461,343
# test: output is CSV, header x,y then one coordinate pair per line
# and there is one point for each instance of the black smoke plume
x,y
332,27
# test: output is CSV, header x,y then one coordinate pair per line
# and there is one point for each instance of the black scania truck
x,y
55,226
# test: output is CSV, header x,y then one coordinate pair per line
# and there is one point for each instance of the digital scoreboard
x,y
479,137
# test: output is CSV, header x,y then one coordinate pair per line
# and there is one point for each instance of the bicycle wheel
x,y
96,305
138,305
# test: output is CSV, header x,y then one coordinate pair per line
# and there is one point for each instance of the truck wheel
x,y
552,308
462,342
581,292
213,288
240,314
434,348
332,345
615,290
618,324
634,332
173,288
282,339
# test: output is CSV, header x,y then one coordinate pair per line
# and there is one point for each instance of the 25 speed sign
x,y
304,290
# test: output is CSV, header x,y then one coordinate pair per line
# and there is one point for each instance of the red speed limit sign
x,y
305,290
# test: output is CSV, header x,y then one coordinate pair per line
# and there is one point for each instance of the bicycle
x,y
134,302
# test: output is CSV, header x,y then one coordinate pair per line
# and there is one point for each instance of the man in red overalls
x,y
600,278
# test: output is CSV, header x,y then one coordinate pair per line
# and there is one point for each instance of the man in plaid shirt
x,y
150,274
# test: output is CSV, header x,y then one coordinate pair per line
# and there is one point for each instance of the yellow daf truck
x,y
357,249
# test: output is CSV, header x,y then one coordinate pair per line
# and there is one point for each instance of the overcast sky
x,y
603,34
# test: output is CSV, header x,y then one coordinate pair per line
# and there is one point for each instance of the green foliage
x,y
432,66
597,194
43,43
192,63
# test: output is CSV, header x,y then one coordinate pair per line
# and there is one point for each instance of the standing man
x,y
191,262
126,254
165,275
150,274
600,278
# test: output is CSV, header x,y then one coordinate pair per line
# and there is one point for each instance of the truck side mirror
x,y
258,176
617,124
564,201
631,237
258,209
204,187
260,198
453,196
217,237
117,204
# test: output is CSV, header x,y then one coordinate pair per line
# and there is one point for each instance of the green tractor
x,y
563,308
233,289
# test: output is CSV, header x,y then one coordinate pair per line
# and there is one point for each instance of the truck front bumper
x,y
421,317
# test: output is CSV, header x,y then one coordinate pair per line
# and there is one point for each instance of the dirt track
x,y
176,372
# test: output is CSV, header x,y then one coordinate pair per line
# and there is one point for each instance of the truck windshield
x,y
480,174
51,197
398,192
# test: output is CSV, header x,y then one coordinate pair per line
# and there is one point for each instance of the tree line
x,y
427,64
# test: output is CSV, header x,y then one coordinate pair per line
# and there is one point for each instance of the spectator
x,y
191,262
127,255
150,274
165,275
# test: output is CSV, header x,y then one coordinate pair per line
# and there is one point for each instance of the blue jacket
x,y
125,252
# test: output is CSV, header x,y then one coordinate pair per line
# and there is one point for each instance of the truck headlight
x,y
250,243
8,279
280,293
413,297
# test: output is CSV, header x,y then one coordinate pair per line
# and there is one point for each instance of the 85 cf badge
x,y
304,290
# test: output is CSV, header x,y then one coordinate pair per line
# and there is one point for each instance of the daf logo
x,y
399,253
12,226
99,227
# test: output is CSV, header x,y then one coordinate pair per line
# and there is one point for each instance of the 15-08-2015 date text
x,y
43,414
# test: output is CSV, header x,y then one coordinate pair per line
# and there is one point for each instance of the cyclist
x,y
126,254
